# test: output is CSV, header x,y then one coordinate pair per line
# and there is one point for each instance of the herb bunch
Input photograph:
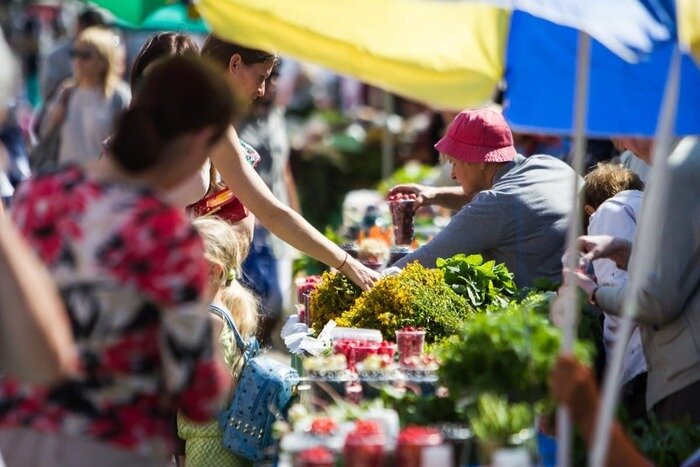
x,y
509,353
333,296
484,284
414,297
493,419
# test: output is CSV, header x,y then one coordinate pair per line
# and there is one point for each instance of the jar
x,y
410,344
411,442
364,447
315,457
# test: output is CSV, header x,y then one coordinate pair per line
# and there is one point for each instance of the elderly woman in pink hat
x,y
511,209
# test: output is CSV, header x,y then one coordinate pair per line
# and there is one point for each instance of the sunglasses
x,y
81,54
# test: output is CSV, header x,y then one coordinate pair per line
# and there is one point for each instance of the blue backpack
x,y
264,392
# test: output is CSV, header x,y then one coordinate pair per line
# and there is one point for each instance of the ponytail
x,y
226,247
136,146
243,307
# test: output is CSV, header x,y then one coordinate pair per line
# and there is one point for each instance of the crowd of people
x,y
111,252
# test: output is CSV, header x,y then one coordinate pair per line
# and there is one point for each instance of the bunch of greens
x,y
417,409
414,297
494,420
590,327
334,295
666,443
484,284
510,353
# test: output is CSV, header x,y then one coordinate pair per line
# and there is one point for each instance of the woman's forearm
x,y
291,187
272,213
37,344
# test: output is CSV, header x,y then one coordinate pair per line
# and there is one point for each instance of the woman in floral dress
x,y
132,276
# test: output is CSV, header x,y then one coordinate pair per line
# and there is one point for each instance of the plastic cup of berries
x,y
318,456
402,213
409,342
412,442
364,446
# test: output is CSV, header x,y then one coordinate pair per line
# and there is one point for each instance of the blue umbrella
x,y
623,98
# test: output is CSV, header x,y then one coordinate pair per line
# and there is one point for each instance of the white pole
x,y
569,301
648,241
387,137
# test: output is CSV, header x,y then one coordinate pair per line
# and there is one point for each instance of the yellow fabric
x,y
447,54
203,441
204,447
689,26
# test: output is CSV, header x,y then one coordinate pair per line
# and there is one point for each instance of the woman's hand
x,y
606,246
361,275
425,195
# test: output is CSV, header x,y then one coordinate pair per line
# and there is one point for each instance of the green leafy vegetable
x,y
496,421
415,409
666,443
483,284
509,353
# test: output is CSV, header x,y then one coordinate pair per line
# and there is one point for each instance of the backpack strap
x,y
223,314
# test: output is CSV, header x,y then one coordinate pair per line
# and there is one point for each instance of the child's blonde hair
x,y
106,44
227,246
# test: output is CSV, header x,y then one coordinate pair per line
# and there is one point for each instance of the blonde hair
x,y
607,180
106,44
227,246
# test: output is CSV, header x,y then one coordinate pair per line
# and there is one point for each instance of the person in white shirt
x,y
56,65
612,197
87,106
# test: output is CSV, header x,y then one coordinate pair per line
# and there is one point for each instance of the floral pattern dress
x,y
131,273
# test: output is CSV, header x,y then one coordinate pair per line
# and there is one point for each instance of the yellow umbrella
x,y
449,55
688,14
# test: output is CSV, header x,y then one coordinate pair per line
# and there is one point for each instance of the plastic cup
x,y
315,457
364,450
412,442
409,344
402,217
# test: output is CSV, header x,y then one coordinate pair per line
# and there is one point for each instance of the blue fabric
x,y
547,447
264,391
624,98
260,274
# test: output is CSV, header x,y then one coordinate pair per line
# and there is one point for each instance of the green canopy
x,y
152,15
132,11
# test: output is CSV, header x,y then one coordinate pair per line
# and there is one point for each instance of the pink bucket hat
x,y
478,136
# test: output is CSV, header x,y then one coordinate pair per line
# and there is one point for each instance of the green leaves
x,y
483,284
495,420
331,298
666,443
415,297
510,353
